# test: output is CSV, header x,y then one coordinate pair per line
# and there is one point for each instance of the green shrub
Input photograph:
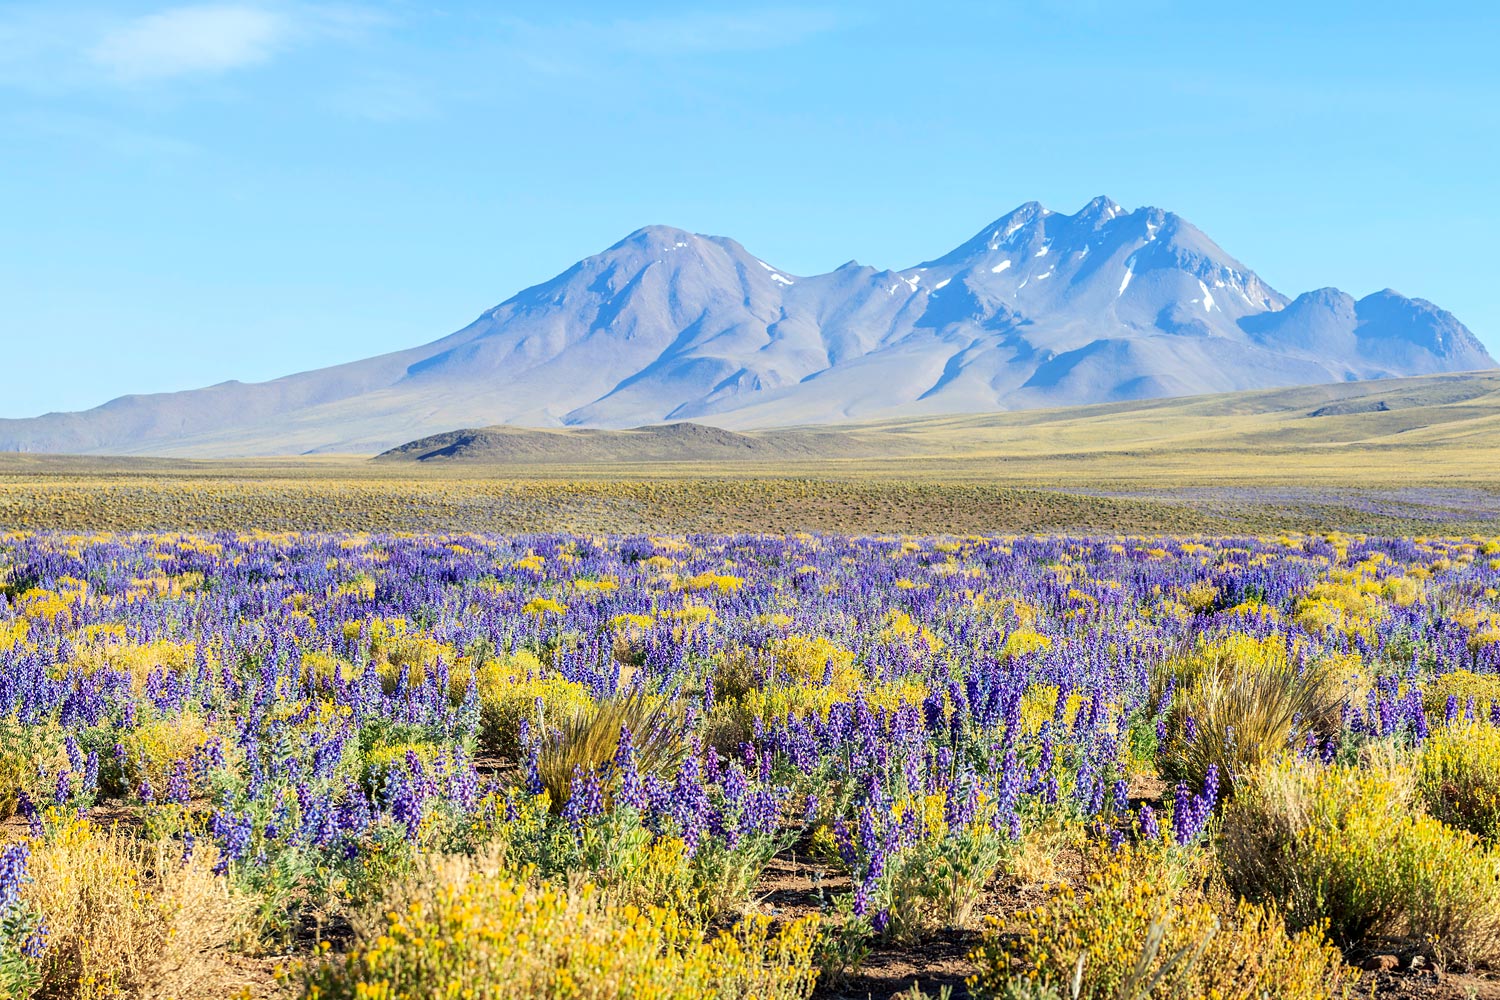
x,y
1351,847
23,750
937,882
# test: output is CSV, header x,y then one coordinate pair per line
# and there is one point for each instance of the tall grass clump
x,y
469,928
586,739
1240,700
1351,848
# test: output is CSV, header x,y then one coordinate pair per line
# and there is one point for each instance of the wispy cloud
x,y
51,48
183,41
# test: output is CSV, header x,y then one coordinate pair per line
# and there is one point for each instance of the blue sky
x,y
241,189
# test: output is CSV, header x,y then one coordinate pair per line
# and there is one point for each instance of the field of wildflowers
x,y
485,766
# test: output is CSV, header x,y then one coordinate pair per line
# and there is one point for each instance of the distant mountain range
x,y
1038,309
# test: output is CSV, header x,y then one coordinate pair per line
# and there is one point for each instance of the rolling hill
x,y
1384,430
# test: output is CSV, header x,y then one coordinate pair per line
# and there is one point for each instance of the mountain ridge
x,y
1035,309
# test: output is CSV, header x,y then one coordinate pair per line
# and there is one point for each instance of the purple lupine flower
x,y
585,799
404,797
75,754
463,784
35,943
28,811
233,832
632,789
15,863
533,747
1211,787
179,790
1150,832
1191,813
861,899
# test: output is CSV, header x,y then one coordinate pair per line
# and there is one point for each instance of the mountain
x,y
1037,309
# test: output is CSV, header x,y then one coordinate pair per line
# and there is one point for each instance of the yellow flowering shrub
x,y
803,660
510,688
137,659
1459,776
543,606
1201,597
379,759
690,616
531,563
1463,685
778,702
1140,927
1350,847
320,670
13,633
899,627
1022,641
362,588
1348,601
723,583
39,604
1039,704
470,929
154,749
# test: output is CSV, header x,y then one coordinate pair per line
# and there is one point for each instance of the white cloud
x,y
54,49
190,40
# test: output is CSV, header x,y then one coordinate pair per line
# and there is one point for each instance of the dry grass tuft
x,y
130,918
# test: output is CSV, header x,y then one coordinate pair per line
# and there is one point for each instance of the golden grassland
x,y
326,497
1405,456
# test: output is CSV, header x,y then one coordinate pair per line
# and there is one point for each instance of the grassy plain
x,y
1405,456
